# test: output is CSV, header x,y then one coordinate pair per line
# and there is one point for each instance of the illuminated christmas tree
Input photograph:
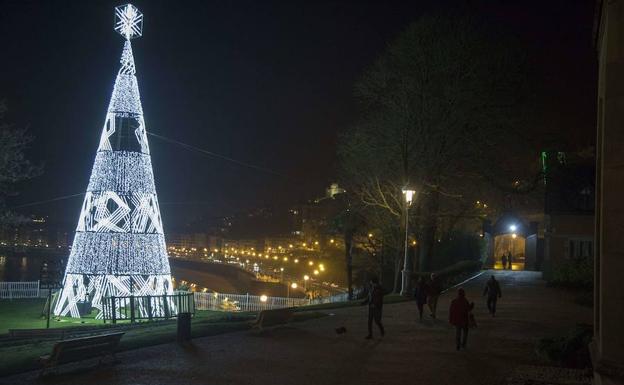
x,y
119,247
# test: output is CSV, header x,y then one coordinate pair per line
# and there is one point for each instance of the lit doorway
x,y
503,245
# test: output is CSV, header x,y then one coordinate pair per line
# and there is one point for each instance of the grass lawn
x,y
27,314
22,356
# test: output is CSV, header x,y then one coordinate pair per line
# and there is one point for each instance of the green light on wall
x,y
544,157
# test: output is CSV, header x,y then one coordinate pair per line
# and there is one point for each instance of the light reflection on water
x,y
24,267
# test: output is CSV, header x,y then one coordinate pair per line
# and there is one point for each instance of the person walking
x,y
433,293
504,261
493,292
374,300
420,295
459,316
509,258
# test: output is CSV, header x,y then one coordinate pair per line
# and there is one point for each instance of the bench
x,y
52,333
273,317
77,349
37,333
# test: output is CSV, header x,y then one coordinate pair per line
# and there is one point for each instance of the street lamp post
x,y
407,272
305,282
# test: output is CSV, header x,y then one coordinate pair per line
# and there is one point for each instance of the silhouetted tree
x,y
438,109
14,166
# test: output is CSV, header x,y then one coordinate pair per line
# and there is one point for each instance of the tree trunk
x,y
348,239
430,227
397,272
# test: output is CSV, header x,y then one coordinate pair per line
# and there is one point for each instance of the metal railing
x,y
247,302
148,307
12,290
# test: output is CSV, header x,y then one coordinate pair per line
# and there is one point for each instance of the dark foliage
x,y
570,350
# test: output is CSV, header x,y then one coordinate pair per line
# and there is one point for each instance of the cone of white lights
x,y
119,247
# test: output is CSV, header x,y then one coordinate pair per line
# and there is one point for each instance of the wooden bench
x,y
53,333
77,349
56,333
273,317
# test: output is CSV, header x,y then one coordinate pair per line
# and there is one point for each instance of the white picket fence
x,y
247,302
203,301
12,290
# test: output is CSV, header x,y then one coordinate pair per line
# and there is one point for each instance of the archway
x,y
506,243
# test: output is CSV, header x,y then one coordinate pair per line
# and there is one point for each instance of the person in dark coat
x,y
504,261
433,293
509,258
420,295
493,292
459,316
374,300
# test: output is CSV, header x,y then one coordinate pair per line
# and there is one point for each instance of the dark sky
x,y
268,83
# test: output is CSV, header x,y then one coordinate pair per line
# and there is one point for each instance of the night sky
x,y
267,83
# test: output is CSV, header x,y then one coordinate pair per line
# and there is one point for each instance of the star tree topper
x,y
128,21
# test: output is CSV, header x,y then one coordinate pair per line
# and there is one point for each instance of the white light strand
x,y
128,21
126,97
101,286
119,247
118,253
108,211
122,171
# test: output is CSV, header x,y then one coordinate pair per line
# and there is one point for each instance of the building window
x,y
581,248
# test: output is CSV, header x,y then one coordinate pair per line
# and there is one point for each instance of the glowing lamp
x,y
409,195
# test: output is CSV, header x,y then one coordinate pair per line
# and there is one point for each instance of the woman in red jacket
x,y
459,316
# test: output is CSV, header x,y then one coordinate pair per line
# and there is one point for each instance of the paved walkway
x,y
311,353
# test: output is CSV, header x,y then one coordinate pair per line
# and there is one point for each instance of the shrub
x,y
574,273
570,350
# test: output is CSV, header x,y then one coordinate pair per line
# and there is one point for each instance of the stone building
x,y
562,229
608,345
